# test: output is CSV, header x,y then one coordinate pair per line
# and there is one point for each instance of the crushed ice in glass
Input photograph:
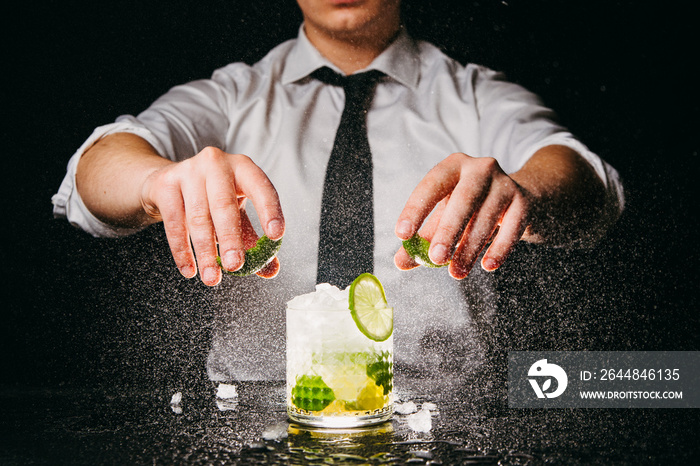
x,y
326,297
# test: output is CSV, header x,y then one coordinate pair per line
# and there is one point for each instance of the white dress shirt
x,y
428,108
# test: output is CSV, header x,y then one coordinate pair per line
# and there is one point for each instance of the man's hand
x,y
125,183
472,199
555,198
201,203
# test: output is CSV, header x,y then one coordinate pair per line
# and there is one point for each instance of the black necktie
x,y
346,244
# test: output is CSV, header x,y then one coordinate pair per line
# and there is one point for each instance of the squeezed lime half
x,y
417,247
256,257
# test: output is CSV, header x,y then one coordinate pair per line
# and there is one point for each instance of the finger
x,y
202,233
252,182
476,235
437,184
224,210
270,270
403,260
175,225
480,180
248,233
430,225
466,199
511,229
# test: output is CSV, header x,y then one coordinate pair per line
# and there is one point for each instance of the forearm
x,y
110,175
569,201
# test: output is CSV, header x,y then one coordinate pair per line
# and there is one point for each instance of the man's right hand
x,y
201,203
124,182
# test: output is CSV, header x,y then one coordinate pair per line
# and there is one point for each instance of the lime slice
x,y
256,257
368,307
417,247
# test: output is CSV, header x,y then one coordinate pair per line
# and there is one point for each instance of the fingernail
x,y
187,271
489,264
439,253
275,228
459,273
233,260
404,229
210,275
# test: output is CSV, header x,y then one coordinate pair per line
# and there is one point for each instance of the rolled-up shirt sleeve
x,y
514,124
177,125
67,202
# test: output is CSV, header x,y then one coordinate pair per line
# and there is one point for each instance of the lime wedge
x,y
417,247
371,397
369,309
256,257
311,393
380,368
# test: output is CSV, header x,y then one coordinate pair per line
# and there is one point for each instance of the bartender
x,y
456,153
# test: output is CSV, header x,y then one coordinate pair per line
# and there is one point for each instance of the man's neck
x,y
354,53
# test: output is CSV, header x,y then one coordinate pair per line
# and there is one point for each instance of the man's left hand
x,y
473,202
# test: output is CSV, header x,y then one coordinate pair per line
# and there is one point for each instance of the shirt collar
x,y
400,60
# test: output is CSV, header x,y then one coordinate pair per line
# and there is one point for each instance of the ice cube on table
x,y
420,421
405,408
429,406
275,432
176,398
175,401
227,405
226,391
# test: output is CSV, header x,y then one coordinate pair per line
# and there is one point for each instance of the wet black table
x,y
109,425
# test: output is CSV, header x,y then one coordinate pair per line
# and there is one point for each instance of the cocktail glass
x,y
336,375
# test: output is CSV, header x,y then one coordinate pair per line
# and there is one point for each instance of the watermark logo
x,y
547,371
603,379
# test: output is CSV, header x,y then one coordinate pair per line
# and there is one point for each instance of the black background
x,y
79,310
